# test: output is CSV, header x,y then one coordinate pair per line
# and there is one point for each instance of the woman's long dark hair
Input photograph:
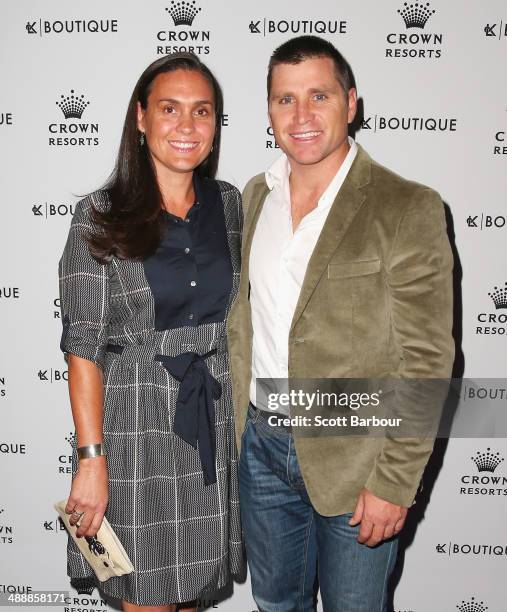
x,y
130,228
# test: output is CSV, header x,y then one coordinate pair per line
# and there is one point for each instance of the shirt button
x,y
191,316
187,250
193,283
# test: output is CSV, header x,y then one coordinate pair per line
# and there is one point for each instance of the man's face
x,y
309,112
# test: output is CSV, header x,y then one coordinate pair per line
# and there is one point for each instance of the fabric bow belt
x,y
194,419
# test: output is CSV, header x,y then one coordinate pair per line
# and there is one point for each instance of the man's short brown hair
x,y
301,48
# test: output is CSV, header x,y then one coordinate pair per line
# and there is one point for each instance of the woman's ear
x,y
140,118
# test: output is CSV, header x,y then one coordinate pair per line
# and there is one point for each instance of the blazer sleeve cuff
x,y
399,481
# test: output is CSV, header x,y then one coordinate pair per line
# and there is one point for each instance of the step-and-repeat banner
x,y
431,78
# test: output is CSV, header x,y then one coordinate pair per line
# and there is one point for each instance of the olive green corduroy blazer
x,y
376,302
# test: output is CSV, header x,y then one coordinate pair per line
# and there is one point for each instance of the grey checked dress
x,y
182,536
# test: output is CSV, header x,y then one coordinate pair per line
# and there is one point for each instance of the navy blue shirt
x,y
190,274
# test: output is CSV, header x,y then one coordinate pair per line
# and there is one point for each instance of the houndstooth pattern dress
x,y
183,538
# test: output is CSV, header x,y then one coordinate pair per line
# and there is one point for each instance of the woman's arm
x,y
89,491
85,295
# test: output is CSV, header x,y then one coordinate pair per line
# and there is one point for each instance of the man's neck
x,y
308,182
315,178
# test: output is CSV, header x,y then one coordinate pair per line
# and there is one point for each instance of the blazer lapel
x,y
259,194
343,210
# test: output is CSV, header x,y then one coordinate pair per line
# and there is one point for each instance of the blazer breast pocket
x,y
350,269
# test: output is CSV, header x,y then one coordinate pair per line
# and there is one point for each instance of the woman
x,y
148,274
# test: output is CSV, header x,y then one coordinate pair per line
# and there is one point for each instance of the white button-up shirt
x,y
278,261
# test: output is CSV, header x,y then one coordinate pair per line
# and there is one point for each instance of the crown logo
x,y
71,438
183,13
415,15
499,297
472,606
72,106
488,461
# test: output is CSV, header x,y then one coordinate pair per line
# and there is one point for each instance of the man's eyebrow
x,y
282,93
321,90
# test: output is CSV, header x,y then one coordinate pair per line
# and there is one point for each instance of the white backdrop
x,y
435,110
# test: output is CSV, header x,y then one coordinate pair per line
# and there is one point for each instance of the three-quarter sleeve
x,y
84,292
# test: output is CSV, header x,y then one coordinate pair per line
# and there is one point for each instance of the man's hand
x,y
379,519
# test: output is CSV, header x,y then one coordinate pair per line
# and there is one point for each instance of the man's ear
x,y
352,103
269,119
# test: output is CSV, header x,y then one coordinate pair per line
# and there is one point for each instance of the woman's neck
x,y
177,190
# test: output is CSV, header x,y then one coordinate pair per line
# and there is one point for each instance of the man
x,y
346,274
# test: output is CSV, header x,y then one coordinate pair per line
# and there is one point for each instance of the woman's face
x,y
179,121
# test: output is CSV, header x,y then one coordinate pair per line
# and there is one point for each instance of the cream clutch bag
x,y
104,553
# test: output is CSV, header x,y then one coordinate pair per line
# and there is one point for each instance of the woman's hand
x,y
89,495
89,492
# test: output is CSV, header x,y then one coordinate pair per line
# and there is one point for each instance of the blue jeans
x,y
289,545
